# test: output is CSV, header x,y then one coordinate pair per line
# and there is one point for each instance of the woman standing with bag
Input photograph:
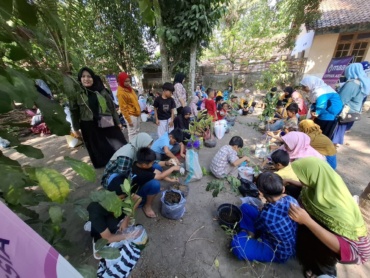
x,y
179,95
325,103
352,94
92,111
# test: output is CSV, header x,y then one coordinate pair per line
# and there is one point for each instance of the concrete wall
x,y
320,54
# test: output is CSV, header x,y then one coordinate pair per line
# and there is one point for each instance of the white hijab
x,y
317,87
141,140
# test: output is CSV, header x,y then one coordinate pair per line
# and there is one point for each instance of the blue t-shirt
x,y
160,143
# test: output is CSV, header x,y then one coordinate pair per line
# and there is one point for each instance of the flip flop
x,y
155,215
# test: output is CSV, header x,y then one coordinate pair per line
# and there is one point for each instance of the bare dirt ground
x,y
190,247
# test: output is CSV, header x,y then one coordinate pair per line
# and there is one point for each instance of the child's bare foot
x,y
148,211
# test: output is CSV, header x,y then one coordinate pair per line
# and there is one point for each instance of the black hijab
x,y
288,90
97,86
180,121
179,78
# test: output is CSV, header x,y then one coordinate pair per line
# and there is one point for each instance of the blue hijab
x,y
356,71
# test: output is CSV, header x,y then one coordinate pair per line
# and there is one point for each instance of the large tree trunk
x,y
193,64
162,45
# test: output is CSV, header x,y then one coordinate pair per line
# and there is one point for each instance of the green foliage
x,y
30,151
82,212
83,169
249,30
56,215
234,183
245,151
87,271
201,125
270,106
216,186
295,13
54,184
277,74
205,172
109,253
109,200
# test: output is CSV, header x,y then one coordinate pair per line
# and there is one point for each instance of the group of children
x,y
267,234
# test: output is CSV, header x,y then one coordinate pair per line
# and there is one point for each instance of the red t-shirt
x,y
210,105
221,114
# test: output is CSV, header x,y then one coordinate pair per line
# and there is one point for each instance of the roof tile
x,y
336,13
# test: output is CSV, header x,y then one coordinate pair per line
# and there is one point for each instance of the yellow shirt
x,y
128,103
287,173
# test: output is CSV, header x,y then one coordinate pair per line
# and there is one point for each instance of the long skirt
x,y
327,127
101,143
338,137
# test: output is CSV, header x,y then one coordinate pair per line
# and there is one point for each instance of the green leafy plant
x,y
216,186
270,106
201,125
205,172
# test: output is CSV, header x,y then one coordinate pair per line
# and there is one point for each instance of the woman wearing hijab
x,y
319,141
352,94
182,121
325,103
101,140
120,164
128,105
297,144
332,228
302,107
179,95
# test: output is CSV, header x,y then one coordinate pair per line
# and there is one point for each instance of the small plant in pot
x,y
228,215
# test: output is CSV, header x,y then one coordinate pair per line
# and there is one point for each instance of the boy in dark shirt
x,y
103,222
145,178
164,109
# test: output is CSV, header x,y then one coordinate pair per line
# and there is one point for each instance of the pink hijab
x,y
299,146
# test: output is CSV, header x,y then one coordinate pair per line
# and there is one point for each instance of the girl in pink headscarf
x,y
297,144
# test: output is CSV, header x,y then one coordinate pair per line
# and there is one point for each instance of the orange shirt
x,y
128,103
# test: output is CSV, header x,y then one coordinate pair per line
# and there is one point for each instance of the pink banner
x,y
113,84
23,253
336,69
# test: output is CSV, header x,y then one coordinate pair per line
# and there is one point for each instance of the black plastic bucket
x,y
229,215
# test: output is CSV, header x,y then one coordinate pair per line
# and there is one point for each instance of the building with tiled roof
x,y
343,29
343,15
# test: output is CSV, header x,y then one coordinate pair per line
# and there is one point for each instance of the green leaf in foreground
x,y
81,168
54,184
100,244
109,253
82,212
108,200
56,214
30,151
87,271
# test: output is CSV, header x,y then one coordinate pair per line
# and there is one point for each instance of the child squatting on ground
x,y
169,145
268,235
146,174
226,161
